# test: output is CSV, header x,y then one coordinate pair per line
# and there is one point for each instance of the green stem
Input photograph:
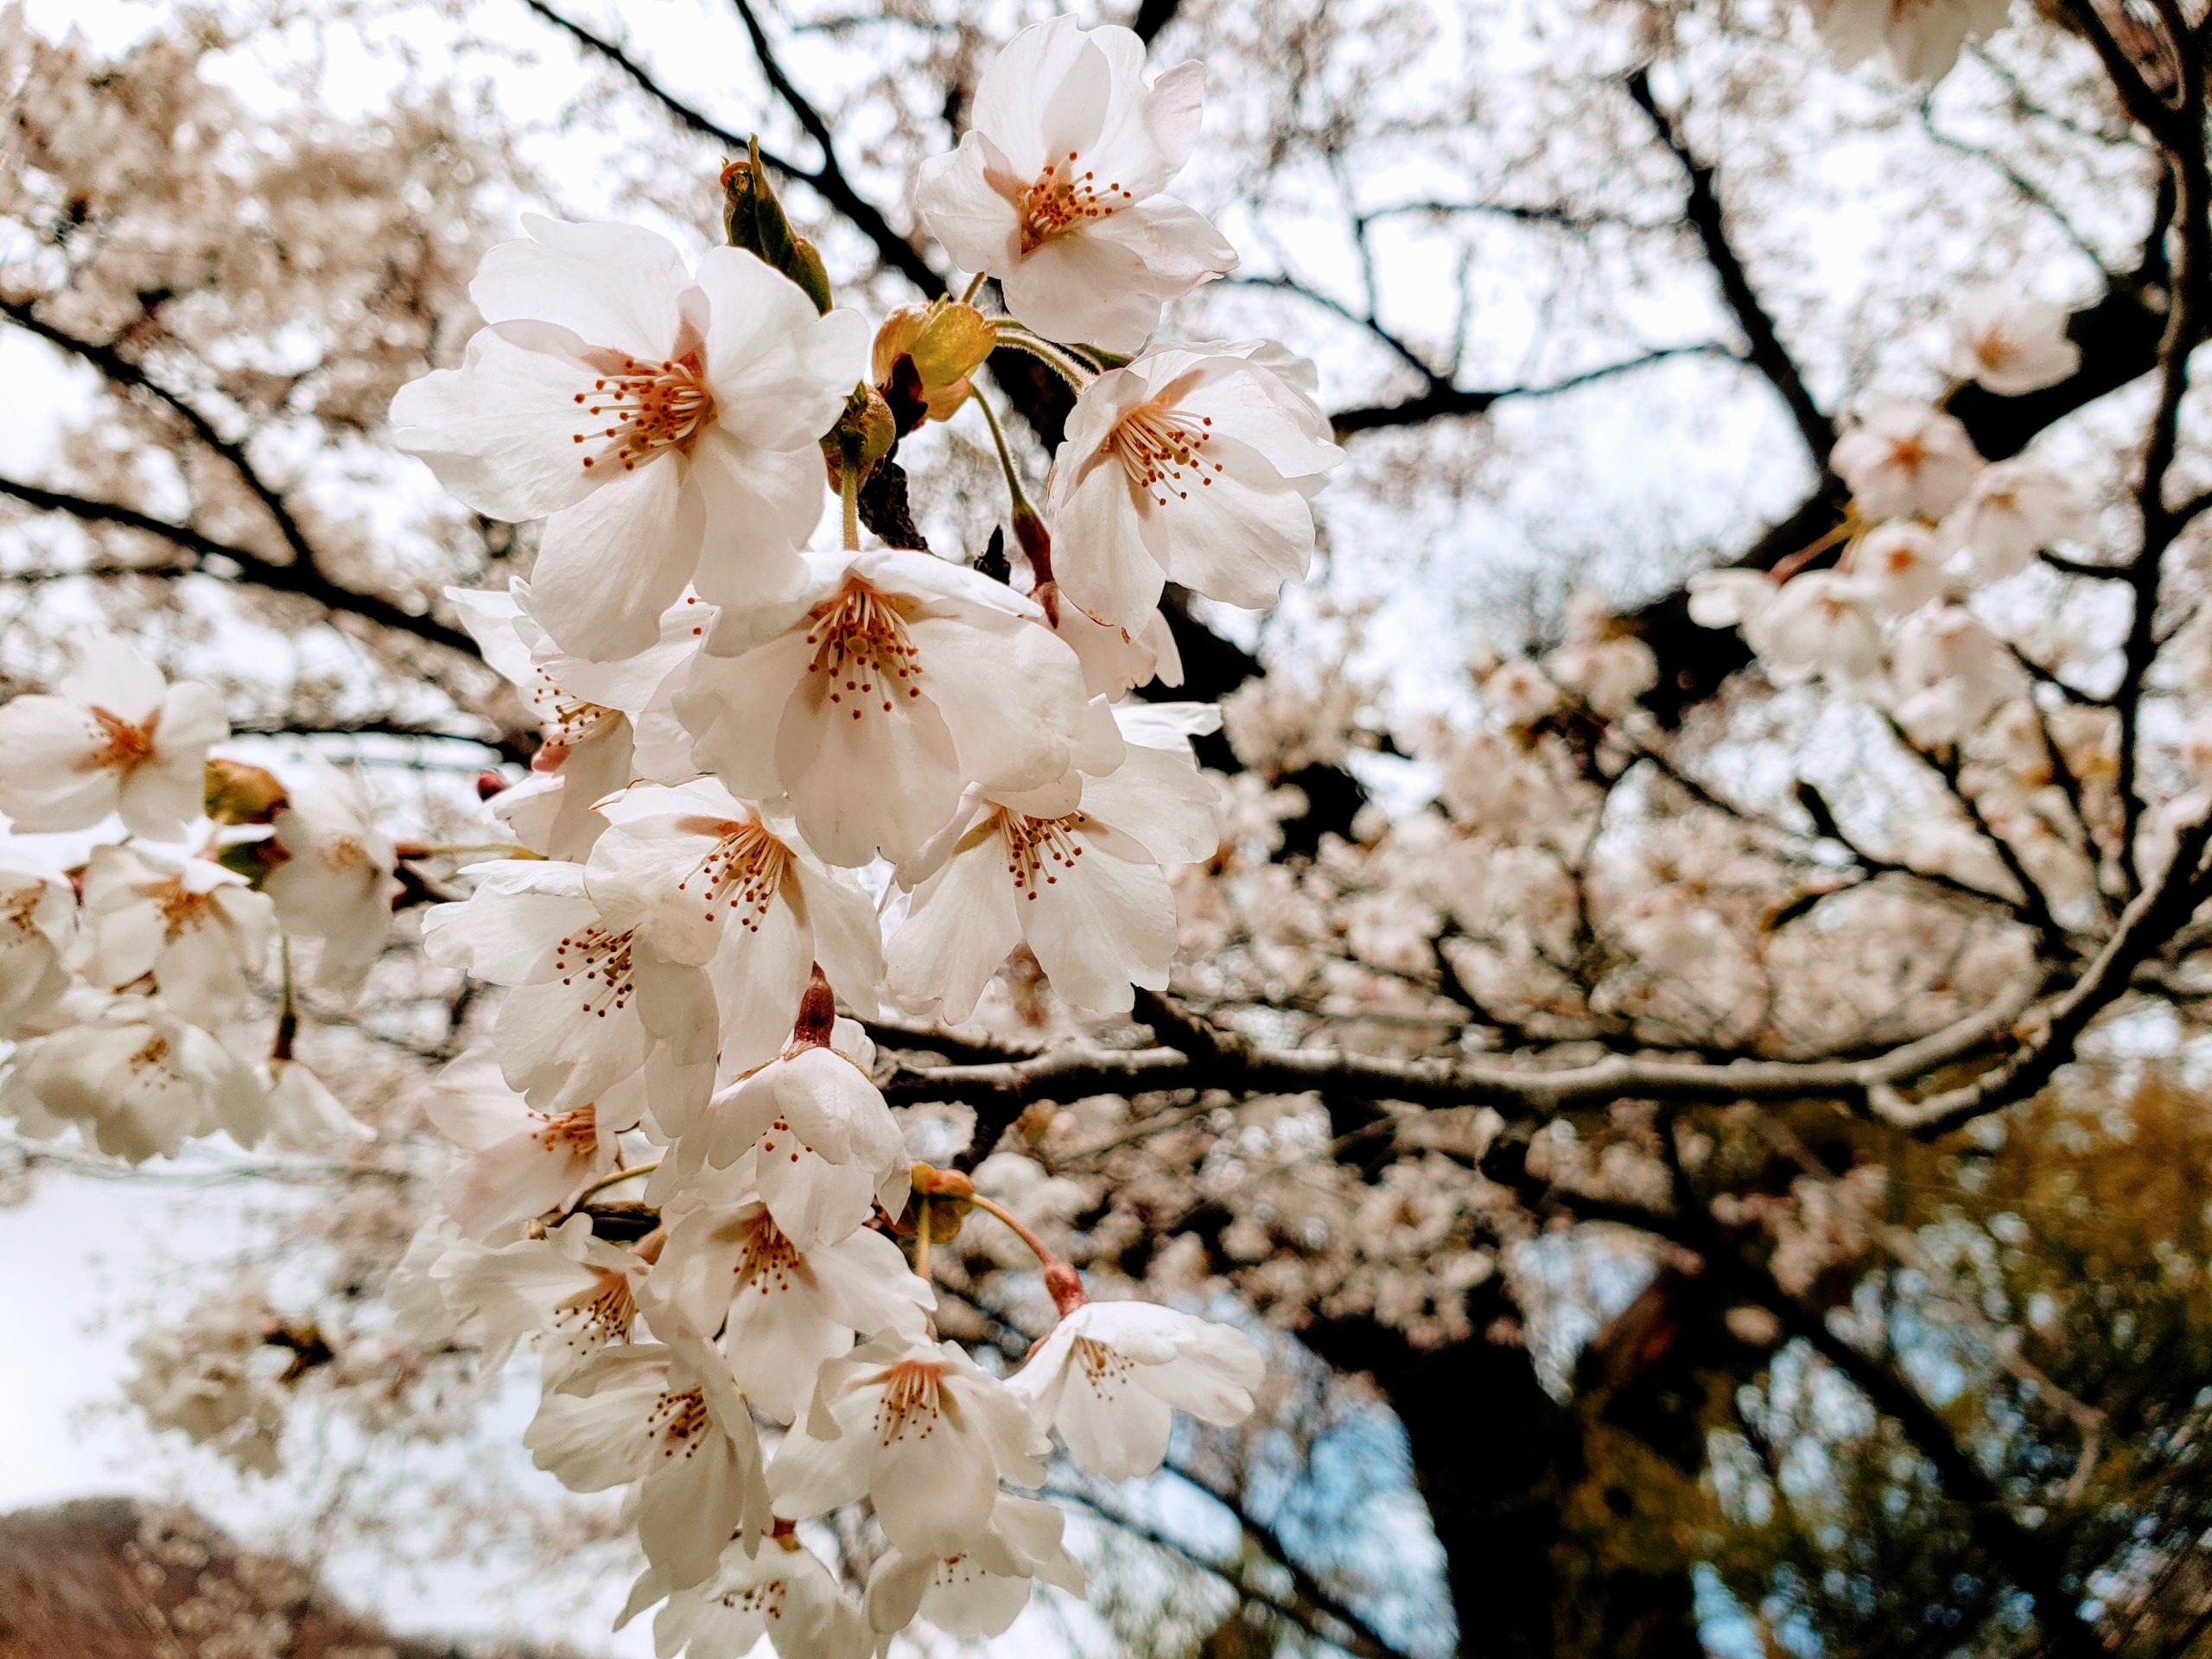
x,y
288,1016
922,1240
613,1179
1037,1245
1077,374
850,494
975,287
1020,499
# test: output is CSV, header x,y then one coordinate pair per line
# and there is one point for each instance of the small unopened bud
x,y
489,784
864,435
756,222
1035,541
926,356
932,1182
238,793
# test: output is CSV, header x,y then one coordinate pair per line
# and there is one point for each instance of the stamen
x,y
679,1422
1059,200
653,406
910,1400
602,961
741,874
1162,451
1031,844
860,645
125,747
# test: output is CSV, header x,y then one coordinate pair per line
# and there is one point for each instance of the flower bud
x,y
755,221
864,435
926,356
238,793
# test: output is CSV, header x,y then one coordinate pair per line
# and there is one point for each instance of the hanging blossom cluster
x,y
777,780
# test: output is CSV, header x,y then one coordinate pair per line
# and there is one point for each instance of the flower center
x,y
911,1400
1033,843
19,909
862,647
1103,1367
741,873
768,1262
603,962
123,746
181,910
566,720
1162,451
1059,200
679,1422
653,406
575,1133
603,1314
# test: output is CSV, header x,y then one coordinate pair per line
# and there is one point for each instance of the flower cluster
x,y
776,779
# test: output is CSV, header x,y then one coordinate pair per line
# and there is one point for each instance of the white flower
x,y
140,1079
1905,460
1115,660
196,927
1923,37
1083,887
2011,344
38,921
2014,511
1056,189
579,1288
1195,465
1949,671
781,1310
782,1592
663,417
605,723
979,1589
825,1149
918,1429
669,1418
216,1378
522,1162
1899,566
891,682
723,887
592,1003
1111,1374
114,737
1519,693
1730,598
1818,623
336,883
1609,672
304,1116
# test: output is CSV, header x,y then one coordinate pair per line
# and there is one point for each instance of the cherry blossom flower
x,y
1899,566
894,680
575,1289
1728,599
591,1004
1055,190
638,405
919,1430
1949,671
1194,464
140,1079
782,1591
197,928
823,1147
724,888
522,1162
1519,692
2011,344
113,737
38,925
979,1589
1818,623
1905,460
1923,37
605,723
336,883
1083,887
669,1417
1111,1374
781,1310
2014,511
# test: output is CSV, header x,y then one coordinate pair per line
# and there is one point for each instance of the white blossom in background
x,y
113,738
1921,38
2011,344
666,419
1196,465
38,925
198,930
874,698
781,1591
1949,671
1110,1376
1905,460
1055,190
978,1590
522,1162
1900,566
2014,512
1728,599
334,884
1819,623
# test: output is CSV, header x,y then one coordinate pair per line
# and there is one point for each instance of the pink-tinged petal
x,y
848,937
608,566
559,1055
1100,924
885,777
959,927
1013,695
1016,88
1075,113
1174,112
158,799
614,285
760,973
1162,801
1240,537
734,707
192,718
978,224
500,431
1180,246
48,778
